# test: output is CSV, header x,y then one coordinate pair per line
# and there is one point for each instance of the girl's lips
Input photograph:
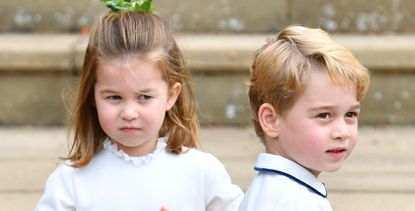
x,y
130,129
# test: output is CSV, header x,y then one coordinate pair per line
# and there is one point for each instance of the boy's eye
x,y
352,114
323,115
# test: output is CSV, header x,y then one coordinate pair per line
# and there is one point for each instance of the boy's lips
x,y
337,153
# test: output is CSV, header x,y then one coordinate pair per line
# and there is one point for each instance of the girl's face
x,y
320,130
131,99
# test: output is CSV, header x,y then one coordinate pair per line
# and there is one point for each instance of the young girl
x,y
135,128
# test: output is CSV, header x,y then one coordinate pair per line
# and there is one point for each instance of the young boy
x,y
305,92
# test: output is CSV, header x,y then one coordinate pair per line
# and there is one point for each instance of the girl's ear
x,y
174,93
268,119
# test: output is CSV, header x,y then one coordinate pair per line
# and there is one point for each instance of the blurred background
x,y
42,45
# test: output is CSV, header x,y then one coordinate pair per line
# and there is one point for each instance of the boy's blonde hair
x,y
281,68
133,35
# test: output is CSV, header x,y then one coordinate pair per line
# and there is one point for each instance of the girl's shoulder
x,y
197,158
61,177
64,169
197,154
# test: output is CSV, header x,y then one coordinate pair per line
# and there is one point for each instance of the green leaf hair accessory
x,y
127,5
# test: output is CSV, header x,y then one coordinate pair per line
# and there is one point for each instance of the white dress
x,y
282,184
191,181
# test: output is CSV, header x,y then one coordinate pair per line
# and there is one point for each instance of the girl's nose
x,y
341,131
129,112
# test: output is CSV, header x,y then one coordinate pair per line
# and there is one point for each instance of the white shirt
x,y
282,184
191,181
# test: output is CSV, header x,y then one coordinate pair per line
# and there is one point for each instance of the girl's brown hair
x,y
129,34
281,67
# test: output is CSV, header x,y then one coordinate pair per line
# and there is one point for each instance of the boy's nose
x,y
341,131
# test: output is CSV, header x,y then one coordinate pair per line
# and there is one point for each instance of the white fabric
x,y
282,191
191,181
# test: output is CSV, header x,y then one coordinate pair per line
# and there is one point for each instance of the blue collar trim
x,y
309,187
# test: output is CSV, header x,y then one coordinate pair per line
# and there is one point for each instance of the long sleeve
x,y
59,192
221,194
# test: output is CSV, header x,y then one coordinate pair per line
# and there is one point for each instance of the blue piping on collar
x,y
292,178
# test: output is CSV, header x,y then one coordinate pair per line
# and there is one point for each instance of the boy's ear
x,y
174,93
268,119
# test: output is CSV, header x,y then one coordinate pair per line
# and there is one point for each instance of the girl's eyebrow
x,y
141,92
144,91
107,91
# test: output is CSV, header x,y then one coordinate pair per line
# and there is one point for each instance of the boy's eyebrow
x,y
353,107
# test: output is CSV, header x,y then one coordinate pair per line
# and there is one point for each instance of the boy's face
x,y
320,130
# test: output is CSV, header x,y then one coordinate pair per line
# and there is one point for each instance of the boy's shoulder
x,y
277,192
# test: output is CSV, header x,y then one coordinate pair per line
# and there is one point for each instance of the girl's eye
x,y
352,114
144,97
114,97
323,115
